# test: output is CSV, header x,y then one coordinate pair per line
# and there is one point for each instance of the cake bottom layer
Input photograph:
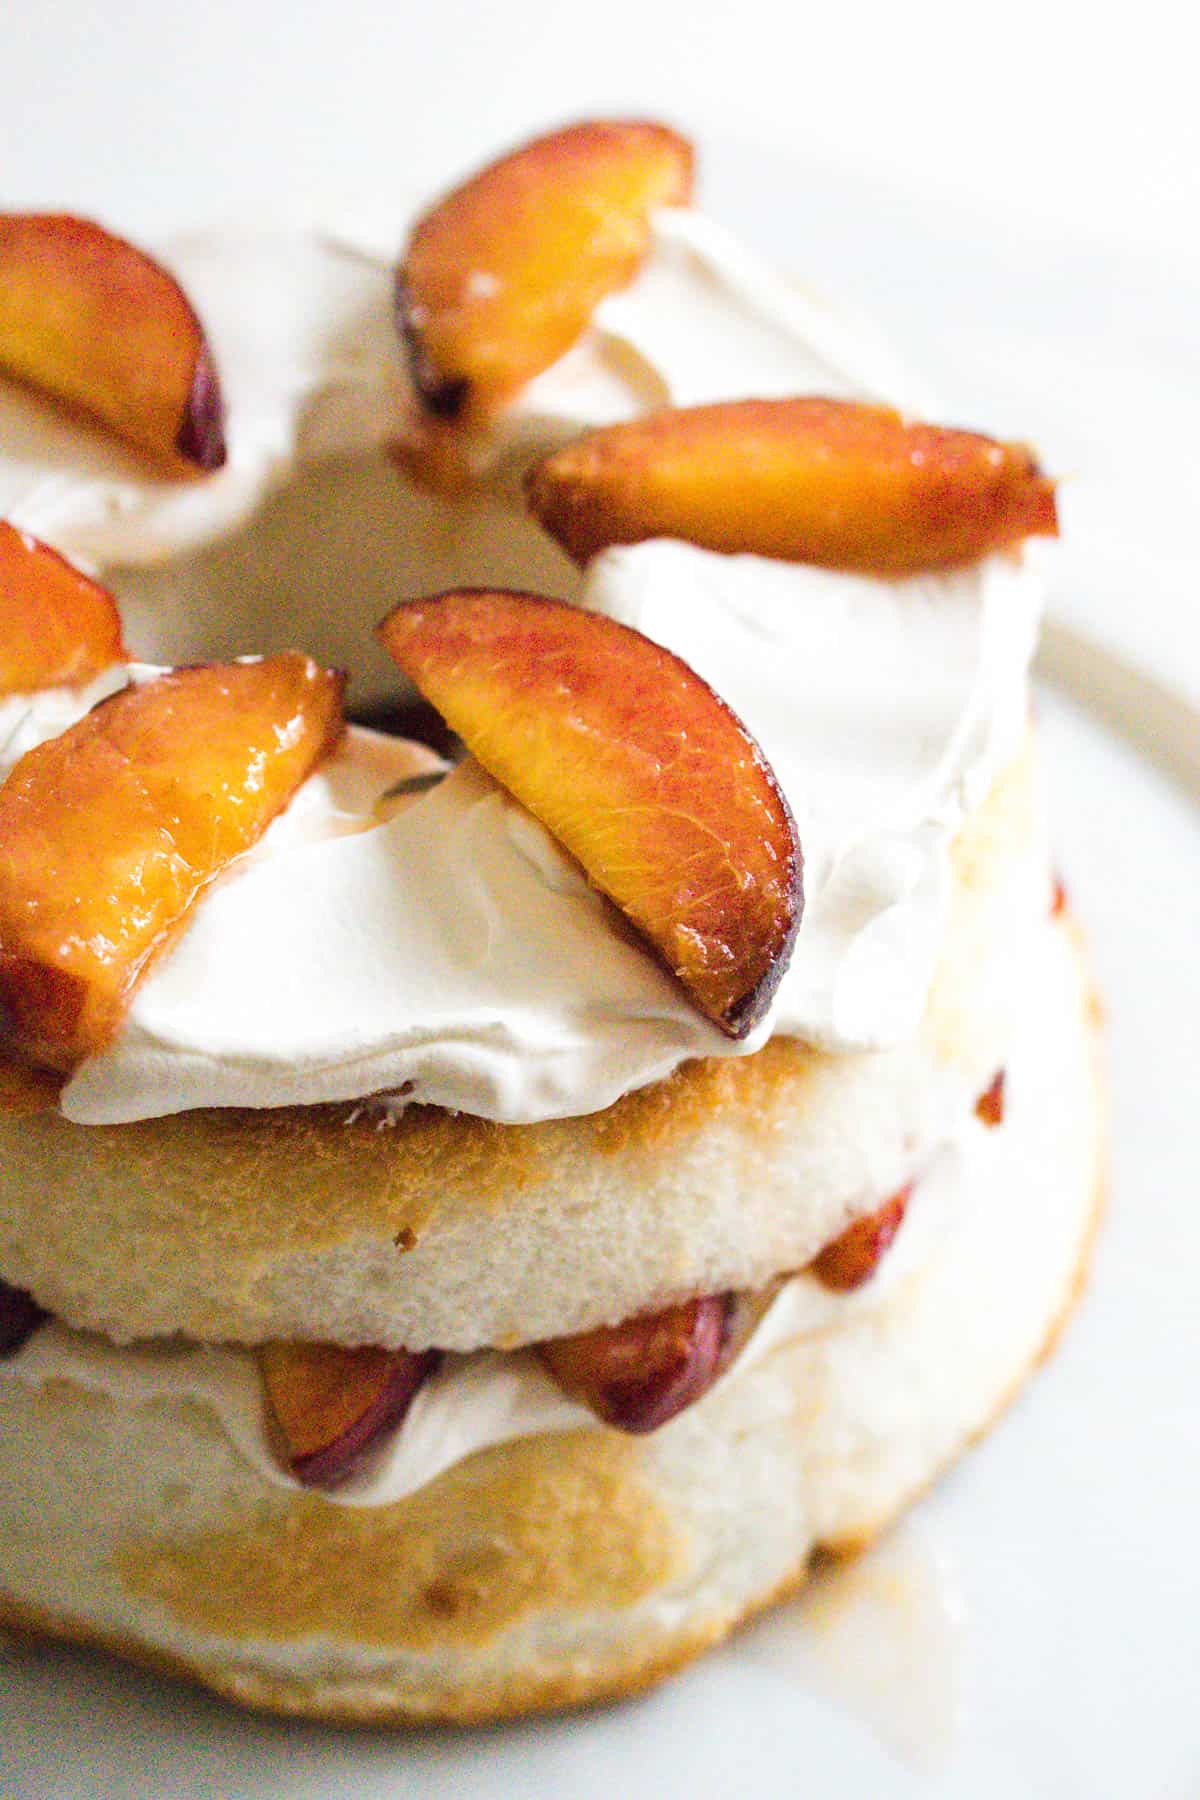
x,y
567,1566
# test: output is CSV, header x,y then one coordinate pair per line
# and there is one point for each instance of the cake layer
x,y
431,1228
567,1565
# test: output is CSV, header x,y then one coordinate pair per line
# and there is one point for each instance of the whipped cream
x,y
455,954
311,531
477,1400
886,708
704,319
305,347
27,720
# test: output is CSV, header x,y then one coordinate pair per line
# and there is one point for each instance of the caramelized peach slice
x,y
641,1373
90,320
20,1316
989,1108
854,1257
330,1404
109,833
636,766
56,624
502,276
24,1091
818,481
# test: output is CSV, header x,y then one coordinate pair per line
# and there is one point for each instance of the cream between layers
x,y
611,1560
315,389
887,708
488,1397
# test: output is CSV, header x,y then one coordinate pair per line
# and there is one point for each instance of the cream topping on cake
x,y
306,351
704,319
311,367
454,954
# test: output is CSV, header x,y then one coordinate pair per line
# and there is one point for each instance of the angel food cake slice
x,y
347,480
480,1230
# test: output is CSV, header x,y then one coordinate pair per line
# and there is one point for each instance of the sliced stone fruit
x,y
91,320
636,766
847,486
24,1091
641,1373
989,1108
109,834
331,1404
852,1259
20,1316
57,625
502,276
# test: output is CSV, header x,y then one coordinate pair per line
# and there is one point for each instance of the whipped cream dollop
x,y
483,1398
455,954
304,341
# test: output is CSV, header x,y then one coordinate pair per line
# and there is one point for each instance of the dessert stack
x,y
470,1232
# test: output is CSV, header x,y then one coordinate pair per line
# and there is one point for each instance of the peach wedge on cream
x,y
109,833
636,766
90,320
833,482
57,625
330,1404
502,276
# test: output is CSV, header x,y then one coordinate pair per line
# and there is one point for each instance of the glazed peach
x,y
847,486
109,834
989,1108
637,1375
20,1316
331,1404
24,1090
91,320
637,767
57,626
502,276
853,1258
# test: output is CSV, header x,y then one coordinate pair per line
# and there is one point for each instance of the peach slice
x,y
989,1108
57,626
853,1258
109,833
502,276
637,1375
91,320
24,1091
636,766
330,1404
817,481
20,1316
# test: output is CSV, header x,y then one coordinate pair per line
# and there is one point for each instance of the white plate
x,y
1033,1629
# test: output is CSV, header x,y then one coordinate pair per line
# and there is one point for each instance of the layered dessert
x,y
471,1232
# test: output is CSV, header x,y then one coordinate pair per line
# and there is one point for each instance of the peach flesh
x,y
637,767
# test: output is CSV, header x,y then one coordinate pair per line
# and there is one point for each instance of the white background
x,y
1054,113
